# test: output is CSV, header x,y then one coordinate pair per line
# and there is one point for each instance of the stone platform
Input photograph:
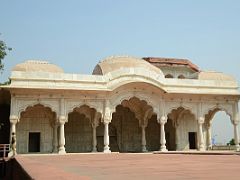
x,y
132,166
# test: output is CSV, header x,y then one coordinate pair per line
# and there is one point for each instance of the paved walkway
x,y
131,166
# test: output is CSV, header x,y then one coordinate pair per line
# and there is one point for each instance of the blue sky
x,y
77,34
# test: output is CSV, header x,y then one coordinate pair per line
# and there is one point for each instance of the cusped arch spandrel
x,y
24,104
192,107
71,105
115,101
226,107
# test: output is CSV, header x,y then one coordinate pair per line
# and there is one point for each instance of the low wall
x,y
14,171
224,147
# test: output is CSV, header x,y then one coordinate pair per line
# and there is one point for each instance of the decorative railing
x,y
4,150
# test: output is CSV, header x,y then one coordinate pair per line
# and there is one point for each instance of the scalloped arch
x,y
45,105
219,108
89,104
169,110
141,97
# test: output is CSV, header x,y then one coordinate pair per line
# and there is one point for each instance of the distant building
x,y
127,105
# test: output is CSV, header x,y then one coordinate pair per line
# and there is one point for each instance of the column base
x,y
163,149
144,149
61,151
94,150
201,149
107,149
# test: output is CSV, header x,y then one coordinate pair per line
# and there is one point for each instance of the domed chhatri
x,y
37,66
114,63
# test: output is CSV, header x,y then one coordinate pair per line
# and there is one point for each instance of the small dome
x,y
212,75
37,66
118,62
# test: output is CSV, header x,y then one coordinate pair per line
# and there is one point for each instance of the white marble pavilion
x,y
128,104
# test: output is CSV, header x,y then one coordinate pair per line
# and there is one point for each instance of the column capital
x,y
106,121
13,119
162,120
236,122
94,125
201,120
62,119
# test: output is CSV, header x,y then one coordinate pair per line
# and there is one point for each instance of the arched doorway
x,y
218,130
181,130
35,130
130,120
128,137
79,130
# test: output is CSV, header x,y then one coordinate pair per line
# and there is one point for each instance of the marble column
x,y
94,144
200,134
61,149
163,121
236,136
209,136
144,149
106,138
55,138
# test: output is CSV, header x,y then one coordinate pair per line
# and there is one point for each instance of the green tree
x,y
3,53
231,142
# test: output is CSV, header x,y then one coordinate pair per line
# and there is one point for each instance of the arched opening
x,y
128,138
153,134
130,121
181,130
218,130
181,77
35,130
169,76
79,130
